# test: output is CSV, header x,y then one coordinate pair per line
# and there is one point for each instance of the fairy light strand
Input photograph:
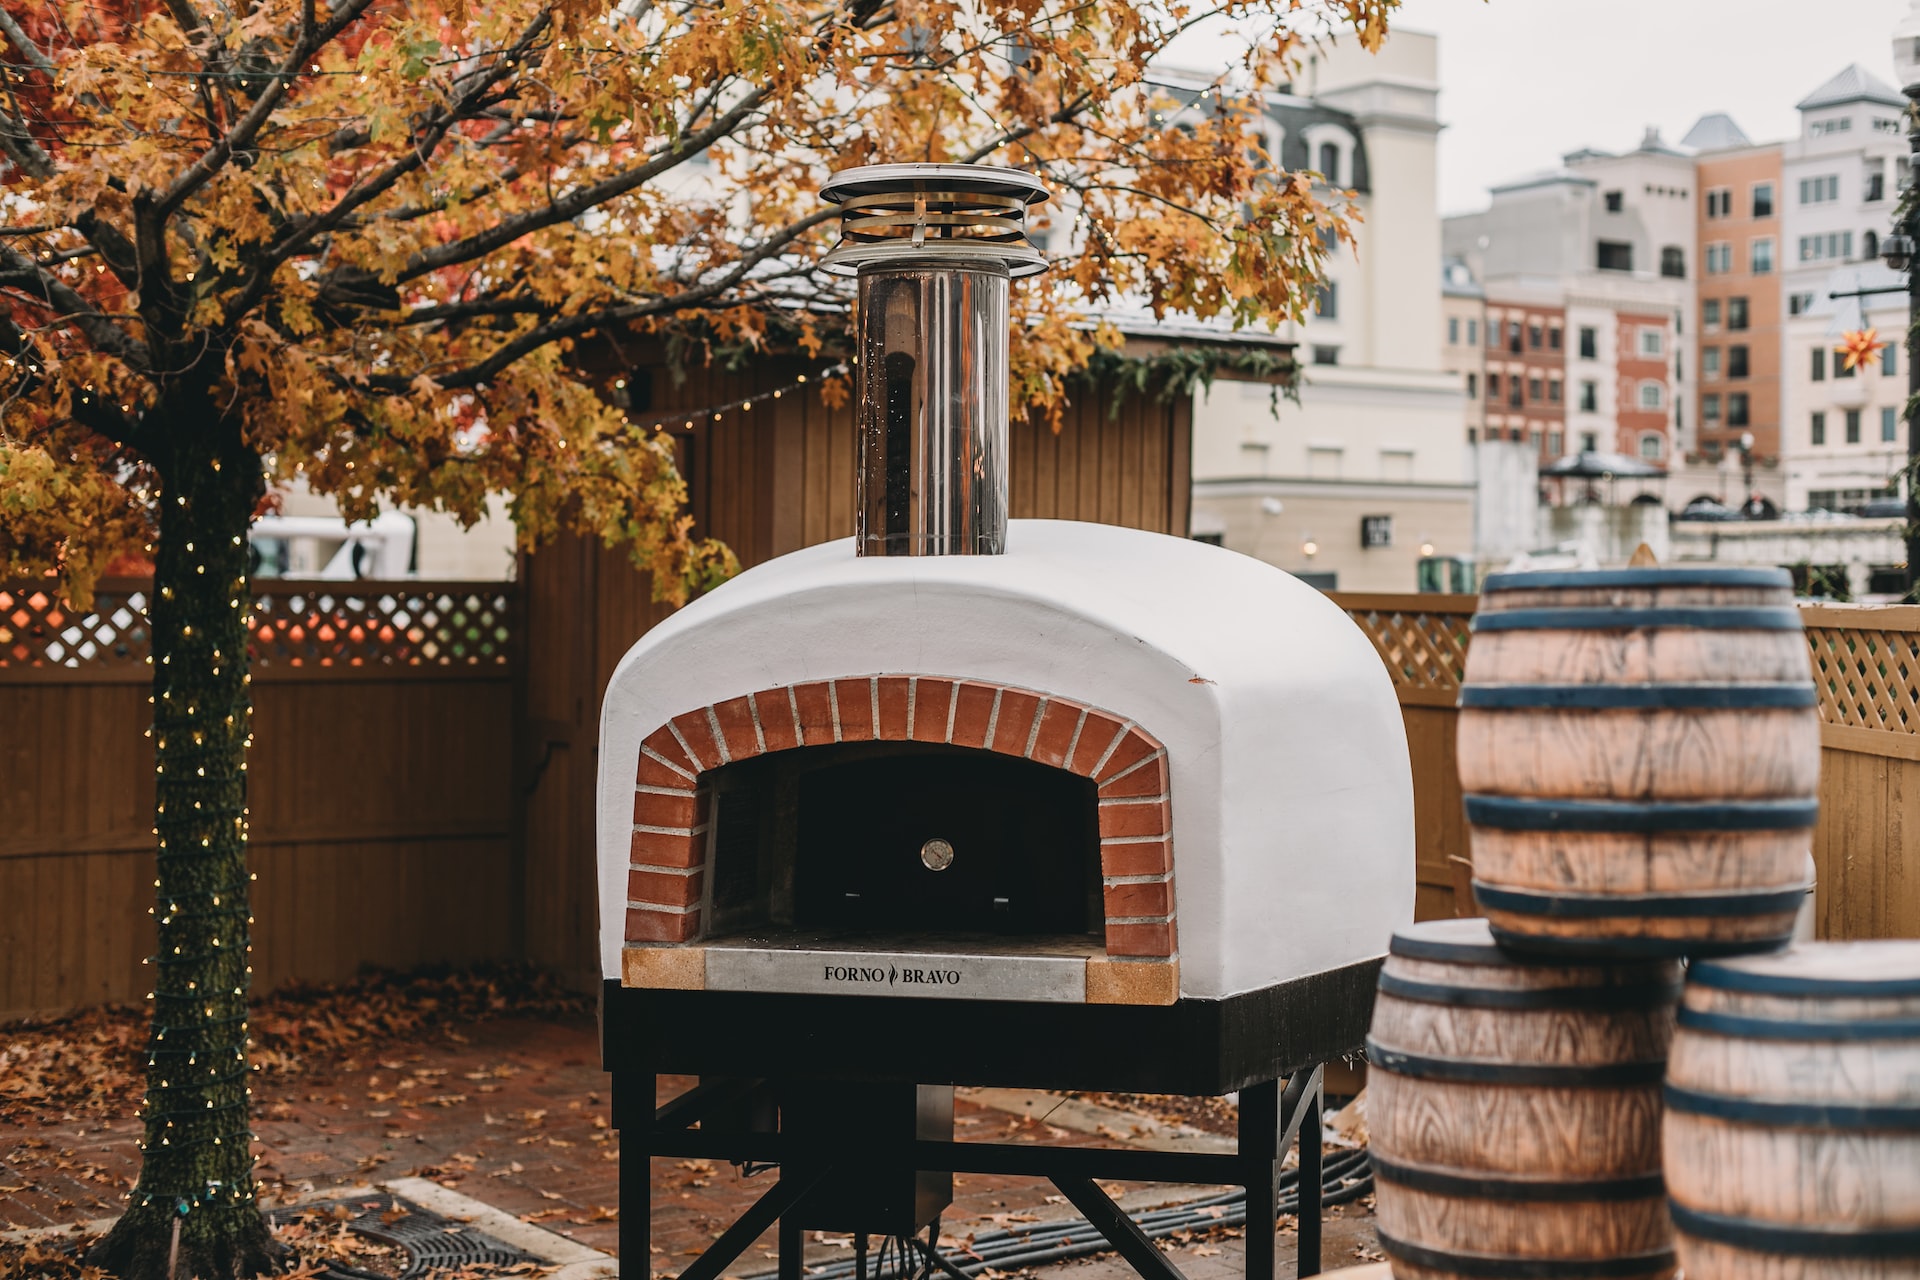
x,y
687,419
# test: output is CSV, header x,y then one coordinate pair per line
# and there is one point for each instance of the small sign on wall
x,y
1376,531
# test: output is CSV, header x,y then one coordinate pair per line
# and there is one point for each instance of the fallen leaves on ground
x,y
91,1065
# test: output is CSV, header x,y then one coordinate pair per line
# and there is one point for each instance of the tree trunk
x,y
193,1213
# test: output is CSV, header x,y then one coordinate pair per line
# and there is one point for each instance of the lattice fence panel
x,y
37,629
301,625
389,625
1867,679
1422,650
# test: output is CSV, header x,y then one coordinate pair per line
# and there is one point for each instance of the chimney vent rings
x,y
949,213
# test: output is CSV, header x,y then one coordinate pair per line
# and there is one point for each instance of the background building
x,y
1367,473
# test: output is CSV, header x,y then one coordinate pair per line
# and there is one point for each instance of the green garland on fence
x,y
1180,371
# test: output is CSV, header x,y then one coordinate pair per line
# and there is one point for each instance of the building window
x,y
1819,364
1513,391
1326,300
1613,255
1709,363
1840,369
1869,245
1652,343
1719,202
1799,302
1710,314
1737,409
1736,313
1652,395
1763,199
1493,386
1890,359
1833,246
1553,391
1556,442
1736,362
1589,342
1876,186
1473,386
1760,257
1853,426
1453,331
1534,336
1513,336
1330,163
1472,435
1589,396
1326,355
1889,425
1673,262
1616,201
1653,447
1719,258
1710,411
1589,442
1533,388
1820,190
1473,332
1553,338
1819,435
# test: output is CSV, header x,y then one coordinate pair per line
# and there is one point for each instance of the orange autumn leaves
x,y
378,235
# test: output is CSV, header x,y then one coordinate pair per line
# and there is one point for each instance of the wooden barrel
x,y
1513,1108
1793,1115
1640,752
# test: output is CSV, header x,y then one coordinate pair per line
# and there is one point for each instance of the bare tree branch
x,y
575,325
578,201
101,330
28,49
202,171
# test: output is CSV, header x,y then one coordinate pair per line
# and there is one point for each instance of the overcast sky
x,y
1524,81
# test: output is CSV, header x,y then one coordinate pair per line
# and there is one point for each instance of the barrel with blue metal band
x,y
1513,1109
1793,1114
1640,752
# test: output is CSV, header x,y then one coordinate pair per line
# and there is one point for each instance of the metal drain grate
x,y
429,1240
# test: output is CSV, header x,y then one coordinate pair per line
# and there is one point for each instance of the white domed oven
x,y
1134,811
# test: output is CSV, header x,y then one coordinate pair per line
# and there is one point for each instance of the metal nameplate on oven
x,y
917,974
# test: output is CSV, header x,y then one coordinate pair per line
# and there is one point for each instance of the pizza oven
x,y
1133,810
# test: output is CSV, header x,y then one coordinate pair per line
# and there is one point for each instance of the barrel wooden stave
x,y
1537,737
1677,755
1472,1173
1709,1260
1625,862
1637,657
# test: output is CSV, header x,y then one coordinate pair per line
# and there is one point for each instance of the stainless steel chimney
x,y
934,247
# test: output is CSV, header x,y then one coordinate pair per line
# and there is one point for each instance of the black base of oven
x,y
1201,1047
745,1045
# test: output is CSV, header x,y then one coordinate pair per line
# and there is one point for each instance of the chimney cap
x,y
957,214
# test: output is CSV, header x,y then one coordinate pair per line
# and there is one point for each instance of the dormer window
x,y
1330,163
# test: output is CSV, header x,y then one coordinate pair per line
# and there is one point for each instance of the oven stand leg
x,y
636,1178
1302,1115
1111,1221
778,1202
792,1241
1259,1149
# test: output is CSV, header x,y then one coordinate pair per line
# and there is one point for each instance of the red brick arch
x,y
666,871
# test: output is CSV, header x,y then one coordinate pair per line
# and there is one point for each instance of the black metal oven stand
x,y
1271,1119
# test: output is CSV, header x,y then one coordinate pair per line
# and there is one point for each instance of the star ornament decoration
x,y
1859,347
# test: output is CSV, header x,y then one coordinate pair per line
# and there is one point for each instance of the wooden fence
x,y
392,819
1866,667
384,816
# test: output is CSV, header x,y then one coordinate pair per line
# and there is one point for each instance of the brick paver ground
x,y
512,1111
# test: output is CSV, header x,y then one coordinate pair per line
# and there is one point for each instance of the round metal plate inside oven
x,y
936,854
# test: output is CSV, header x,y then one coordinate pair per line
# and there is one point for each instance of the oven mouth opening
x,y
903,848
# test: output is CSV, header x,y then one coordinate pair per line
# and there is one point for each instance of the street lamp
x,y
1898,250
1746,472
